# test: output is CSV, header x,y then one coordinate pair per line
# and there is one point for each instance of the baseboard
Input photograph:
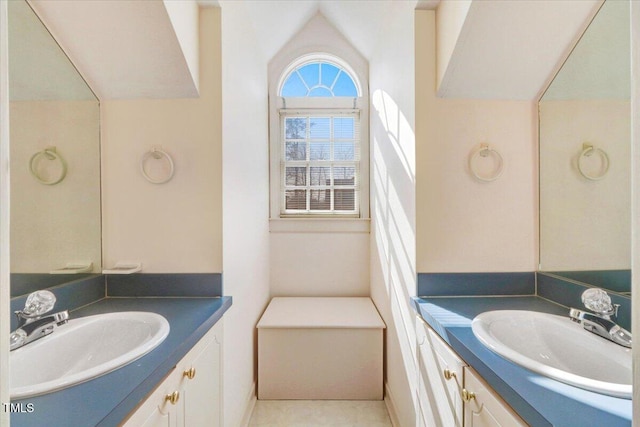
x,y
391,407
250,403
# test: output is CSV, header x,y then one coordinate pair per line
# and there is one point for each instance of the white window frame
x,y
277,105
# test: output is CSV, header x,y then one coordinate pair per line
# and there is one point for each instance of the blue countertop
x,y
539,400
105,401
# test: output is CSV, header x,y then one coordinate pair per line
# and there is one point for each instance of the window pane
x,y
344,200
343,128
296,199
320,151
319,91
321,176
345,86
310,73
296,176
295,151
295,127
293,86
320,200
320,127
344,175
329,74
344,151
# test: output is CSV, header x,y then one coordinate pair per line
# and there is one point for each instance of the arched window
x,y
319,140
319,77
318,132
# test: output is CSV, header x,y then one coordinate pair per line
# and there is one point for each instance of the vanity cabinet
x,y
450,393
191,394
483,407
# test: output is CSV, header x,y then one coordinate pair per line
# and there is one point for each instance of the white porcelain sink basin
x,y
558,348
83,349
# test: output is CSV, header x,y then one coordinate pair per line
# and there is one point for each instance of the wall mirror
x,y
55,160
585,157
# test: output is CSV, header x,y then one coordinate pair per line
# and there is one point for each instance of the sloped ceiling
x,y
510,49
124,48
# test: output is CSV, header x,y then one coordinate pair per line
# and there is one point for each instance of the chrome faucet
x,y
600,322
32,325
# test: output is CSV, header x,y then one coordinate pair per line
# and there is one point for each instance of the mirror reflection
x,y
585,149
55,160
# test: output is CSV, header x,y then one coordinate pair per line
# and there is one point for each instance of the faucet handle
x,y
39,303
598,301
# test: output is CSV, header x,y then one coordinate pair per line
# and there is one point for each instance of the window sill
x,y
319,225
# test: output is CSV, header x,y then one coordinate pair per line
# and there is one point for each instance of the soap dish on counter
x,y
124,268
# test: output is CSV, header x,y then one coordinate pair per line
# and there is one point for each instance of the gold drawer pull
x,y
190,373
468,396
173,397
448,374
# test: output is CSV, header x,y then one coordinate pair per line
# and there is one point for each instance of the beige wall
x,y
635,224
319,264
177,226
465,225
393,215
245,206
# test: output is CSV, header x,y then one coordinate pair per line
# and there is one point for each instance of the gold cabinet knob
x,y
448,374
190,373
467,395
173,397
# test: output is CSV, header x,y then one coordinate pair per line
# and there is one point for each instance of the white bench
x,y
320,348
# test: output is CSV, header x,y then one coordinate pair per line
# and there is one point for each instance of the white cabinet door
x,y
202,393
441,376
157,410
191,395
484,408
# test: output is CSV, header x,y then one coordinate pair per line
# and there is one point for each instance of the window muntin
x,y
320,78
320,163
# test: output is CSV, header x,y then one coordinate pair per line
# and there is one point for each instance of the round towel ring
x,y
50,154
485,151
588,150
157,154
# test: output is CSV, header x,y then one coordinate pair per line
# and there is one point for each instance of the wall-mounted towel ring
x,y
49,154
156,153
485,151
588,150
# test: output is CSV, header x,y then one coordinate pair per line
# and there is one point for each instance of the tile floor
x,y
320,413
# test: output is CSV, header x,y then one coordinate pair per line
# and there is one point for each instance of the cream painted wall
x,y
584,224
4,212
245,205
393,209
319,264
465,225
174,227
635,224
329,263
52,225
183,15
449,22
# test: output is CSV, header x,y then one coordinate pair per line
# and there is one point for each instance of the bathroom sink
x,y
558,348
83,349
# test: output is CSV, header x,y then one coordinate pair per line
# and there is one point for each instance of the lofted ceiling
x,y
509,49
134,48
125,48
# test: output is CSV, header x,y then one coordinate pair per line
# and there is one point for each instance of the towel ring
x,y
50,154
588,150
157,154
485,151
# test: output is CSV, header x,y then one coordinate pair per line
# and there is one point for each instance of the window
x,y
319,140
320,164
